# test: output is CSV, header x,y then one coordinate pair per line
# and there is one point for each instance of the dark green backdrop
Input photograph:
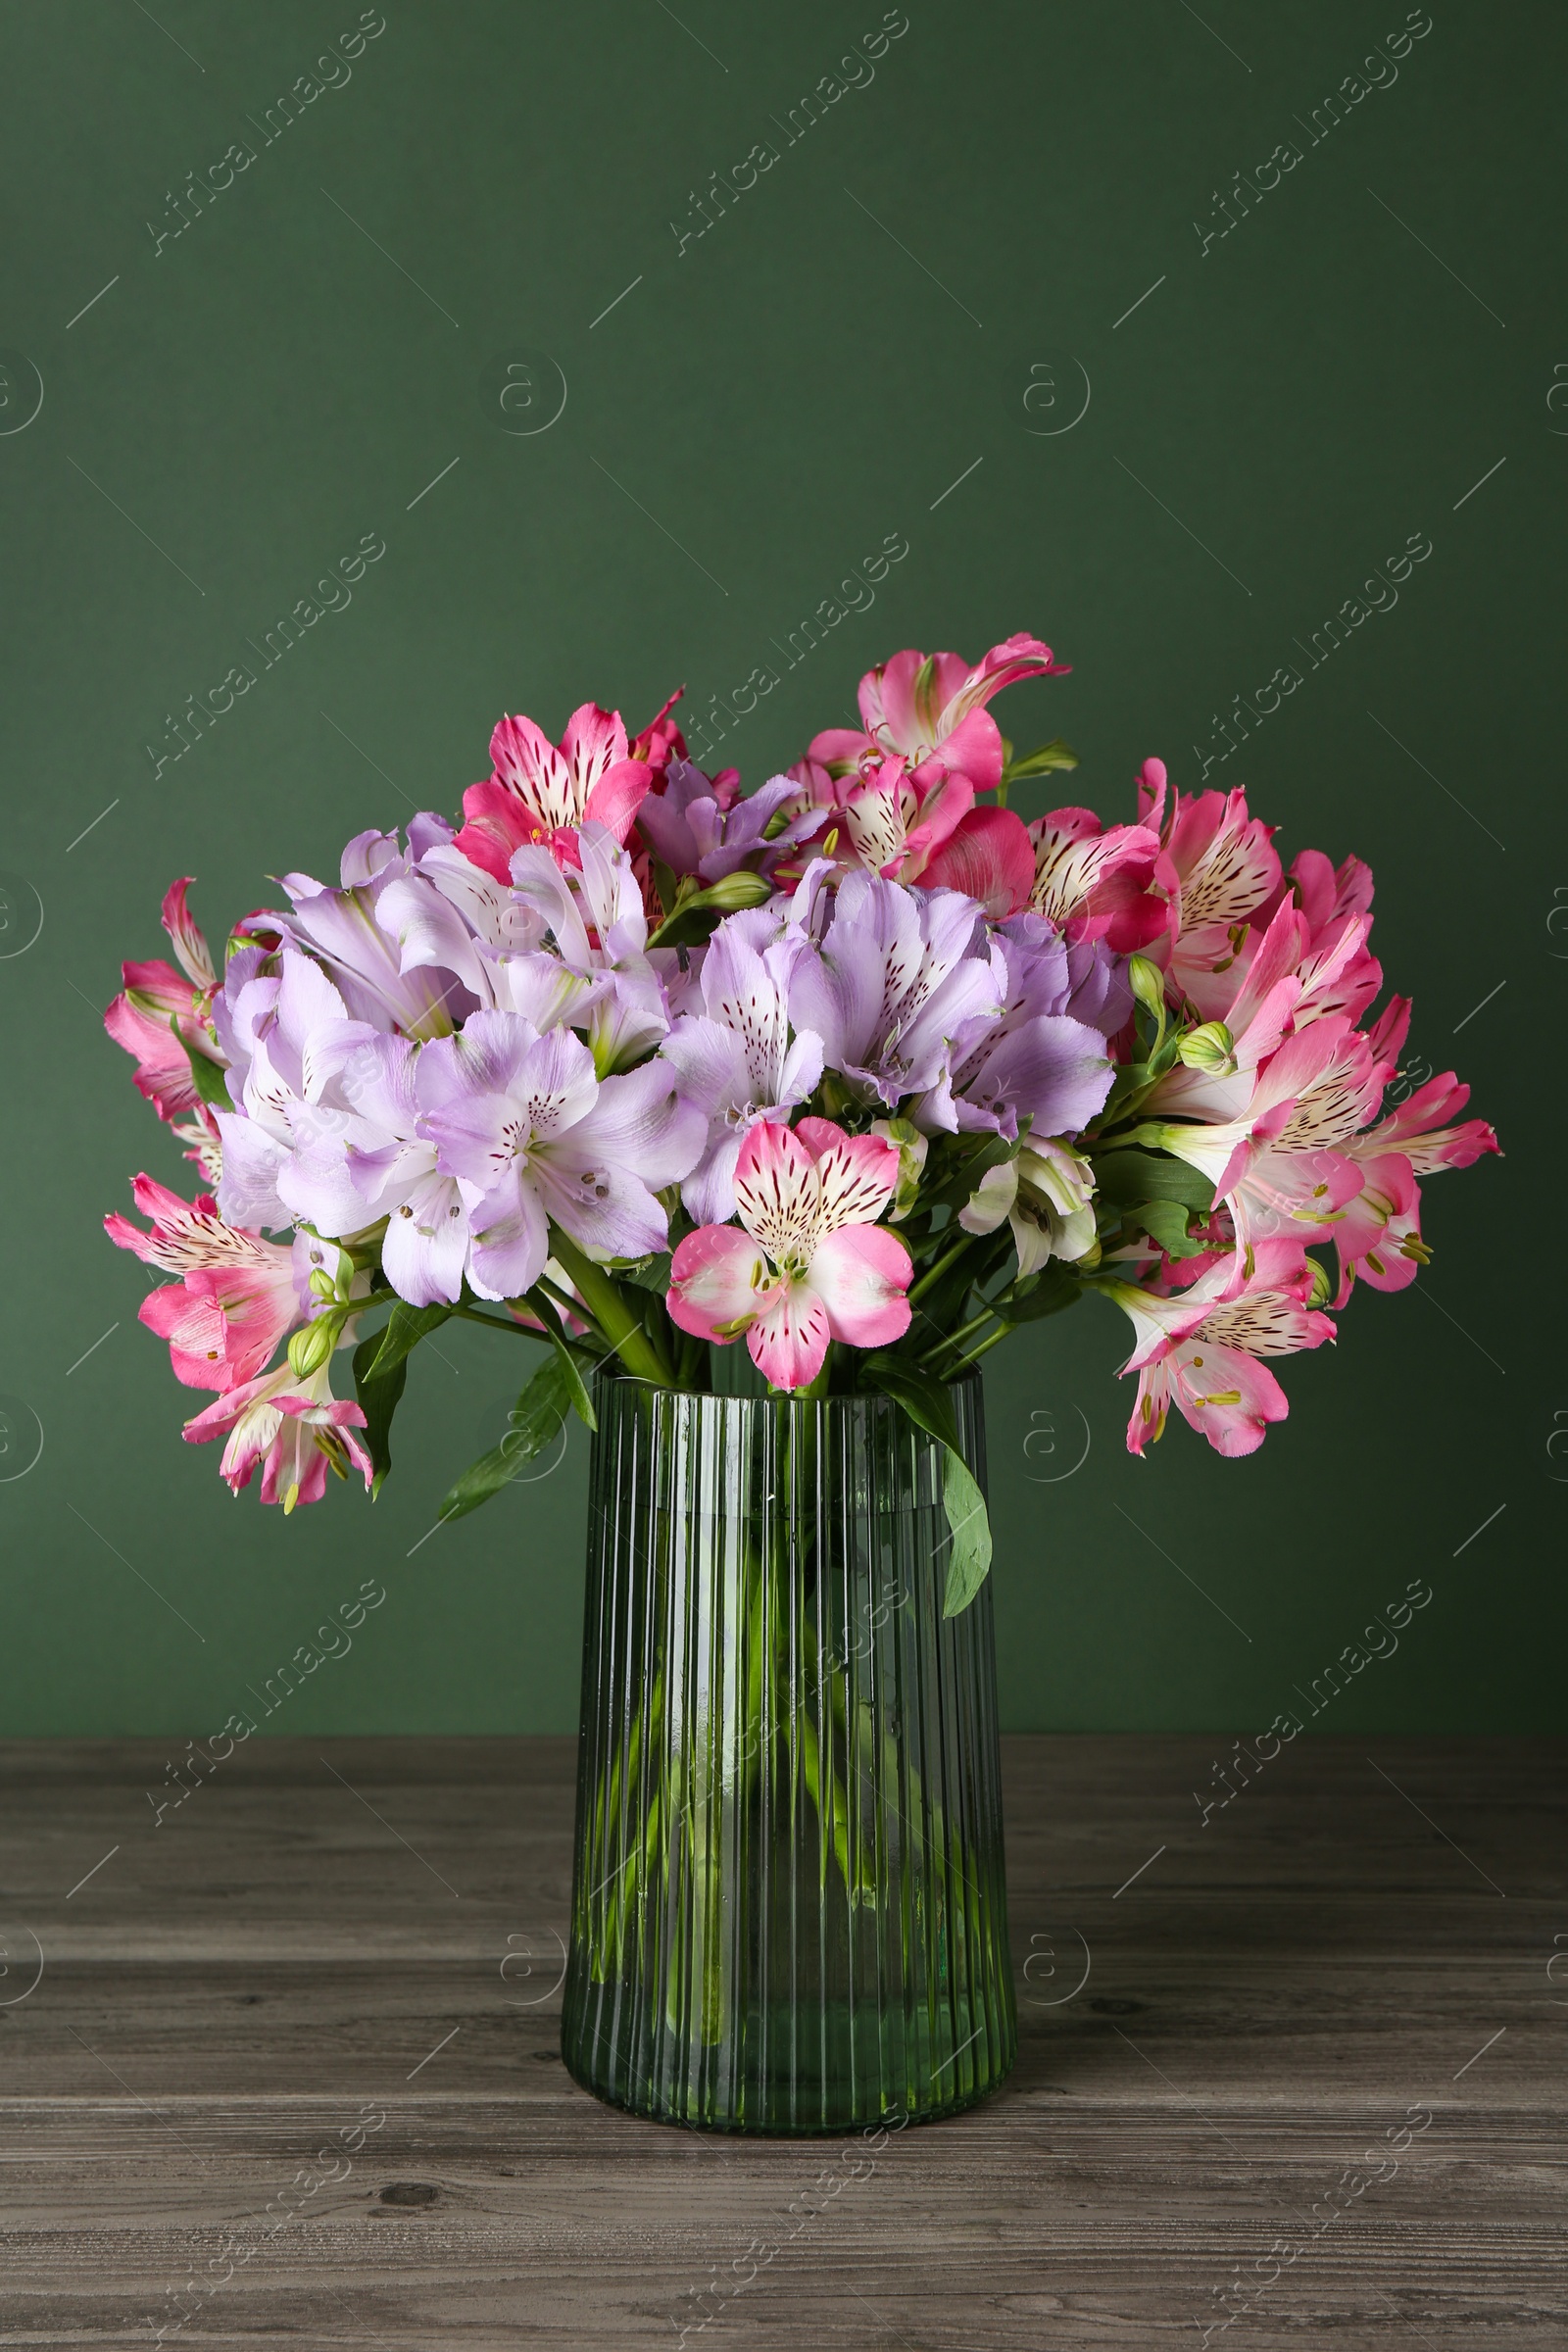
x,y
1002,214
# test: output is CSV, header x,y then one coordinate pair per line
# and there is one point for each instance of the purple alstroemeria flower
x,y
296,1035
343,928
595,914
694,833
387,1169
1043,1058
737,1058
534,1135
899,974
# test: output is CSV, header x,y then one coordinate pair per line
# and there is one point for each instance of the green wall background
x,y
1013,197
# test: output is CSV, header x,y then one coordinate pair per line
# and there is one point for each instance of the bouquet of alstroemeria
x,y
860,1069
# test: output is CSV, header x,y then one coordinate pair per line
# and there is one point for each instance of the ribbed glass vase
x,y
789,1907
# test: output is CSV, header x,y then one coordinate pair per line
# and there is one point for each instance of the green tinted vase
x,y
789,1907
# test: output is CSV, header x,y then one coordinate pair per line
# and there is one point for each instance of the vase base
x,y
782,2111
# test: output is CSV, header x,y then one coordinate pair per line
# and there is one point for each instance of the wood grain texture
x,y
326,1930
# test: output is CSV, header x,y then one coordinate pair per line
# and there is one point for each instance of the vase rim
x,y
613,1374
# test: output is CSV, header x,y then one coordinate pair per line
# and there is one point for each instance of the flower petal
x,y
510,1242
714,1282
777,1195
861,1274
789,1339
990,857
426,1244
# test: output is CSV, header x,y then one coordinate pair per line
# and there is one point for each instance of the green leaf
x,y
544,1307
407,1327
1128,1179
925,1399
534,1422
970,1523
1053,755
207,1076
650,1273
1047,1293
944,1306
378,1401
922,1396
1166,1221
687,927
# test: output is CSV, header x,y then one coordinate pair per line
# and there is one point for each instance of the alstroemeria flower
x,y
237,1297
291,1036
662,741
1379,1235
593,909
198,1131
290,1429
896,975
738,1059
156,996
1045,1192
1283,1160
533,1135
541,792
1419,1126
1097,881
813,1263
378,1164
928,705
915,824
1041,1059
364,954
1222,874
1328,959
694,829
1201,1348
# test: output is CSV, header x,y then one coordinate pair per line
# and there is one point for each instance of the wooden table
x,y
290,2069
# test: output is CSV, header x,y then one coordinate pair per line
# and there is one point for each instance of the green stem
x,y
956,1339
569,1306
935,1273
471,1314
975,1353
620,1327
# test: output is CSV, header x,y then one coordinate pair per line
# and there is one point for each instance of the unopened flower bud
x,y
1210,1049
309,1348
1322,1285
912,1148
740,889
1147,983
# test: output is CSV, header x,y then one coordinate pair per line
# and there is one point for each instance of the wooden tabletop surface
x,y
281,2067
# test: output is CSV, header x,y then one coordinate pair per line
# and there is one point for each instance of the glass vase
x,y
788,1906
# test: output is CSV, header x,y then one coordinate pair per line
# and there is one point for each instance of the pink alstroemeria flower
x,y
292,1429
812,1264
1199,1348
913,825
928,705
238,1296
1097,881
154,995
1379,1236
1283,1159
661,740
1222,873
541,792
